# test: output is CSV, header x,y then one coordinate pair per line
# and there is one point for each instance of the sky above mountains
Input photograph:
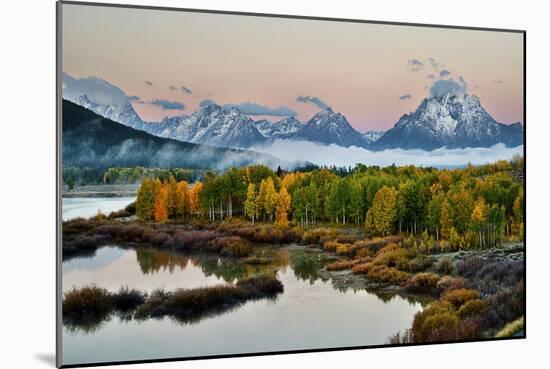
x,y
167,63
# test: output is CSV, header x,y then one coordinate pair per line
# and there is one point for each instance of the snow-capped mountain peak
x,y
328,127
453,120
124,113
281,129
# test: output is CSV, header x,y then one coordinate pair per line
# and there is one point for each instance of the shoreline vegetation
x,y
454,235
88,306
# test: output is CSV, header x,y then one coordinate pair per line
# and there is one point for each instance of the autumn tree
x,y
479,219
381,216
446,221
182,199
517,224
194,198
462,201
171,200
434,212
145,201
269,198
282,207
261,198
291,179
251,202
161,203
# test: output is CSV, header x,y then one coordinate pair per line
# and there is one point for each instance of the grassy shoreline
x,y
89,306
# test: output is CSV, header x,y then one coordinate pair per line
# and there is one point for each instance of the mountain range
x,y
452,120
90,140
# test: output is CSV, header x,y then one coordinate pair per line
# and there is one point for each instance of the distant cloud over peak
x,y
183,89
313,100
166,104
96,89
443,86
207,102
414,65
250,108
444,73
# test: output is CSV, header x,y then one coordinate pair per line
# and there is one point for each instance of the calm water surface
x,y
86,207
310,313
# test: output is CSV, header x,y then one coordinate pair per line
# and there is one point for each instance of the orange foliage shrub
x,y
423,283
342,249
460,296
341,265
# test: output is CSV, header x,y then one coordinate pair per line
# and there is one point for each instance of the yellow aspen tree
x,y
182,199
479,217
283,207
194,198
381,216
251,202
262,192
172,186
270,198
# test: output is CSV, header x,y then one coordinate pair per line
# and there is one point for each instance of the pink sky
x,y
360,70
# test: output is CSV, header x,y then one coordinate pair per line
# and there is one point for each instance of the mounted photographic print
x,y
239,184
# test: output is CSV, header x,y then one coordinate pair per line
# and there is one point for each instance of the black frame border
x,y
59,183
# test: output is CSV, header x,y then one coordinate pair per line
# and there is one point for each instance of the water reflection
x,y
317,308
153,261
98,259
306,264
